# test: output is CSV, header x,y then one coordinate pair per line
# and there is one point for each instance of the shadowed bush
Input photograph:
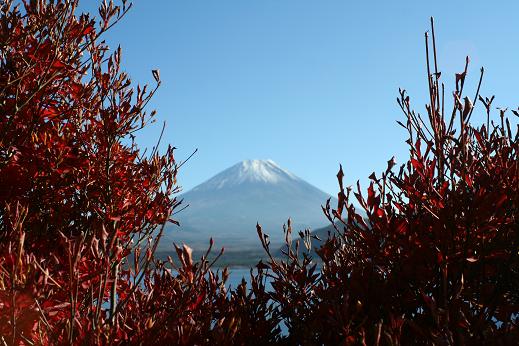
x,y
82,208
431,257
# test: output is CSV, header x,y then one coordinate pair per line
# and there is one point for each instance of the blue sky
x,y
309,84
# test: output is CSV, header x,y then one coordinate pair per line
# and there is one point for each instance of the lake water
x,y
236,275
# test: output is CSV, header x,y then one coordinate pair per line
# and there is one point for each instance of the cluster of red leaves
x,y
432,255
430,258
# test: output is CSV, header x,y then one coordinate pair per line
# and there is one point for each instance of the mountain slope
x,y
227,207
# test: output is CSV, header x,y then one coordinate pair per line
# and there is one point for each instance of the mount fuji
x,y
227,207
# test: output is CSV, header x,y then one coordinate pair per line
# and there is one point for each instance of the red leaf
x,y
371,196
76,88
439,257
50,113
417,165
401,227
199,299
58,64
23,301
468,180
114,218
88,30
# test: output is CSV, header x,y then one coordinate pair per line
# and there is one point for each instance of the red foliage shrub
x,y
432,256
76,194
82,209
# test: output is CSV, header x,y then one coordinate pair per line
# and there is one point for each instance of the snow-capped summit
x,y
228,205
249,171
263,170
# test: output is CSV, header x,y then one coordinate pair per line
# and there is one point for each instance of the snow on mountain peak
x,y
262,170
258,171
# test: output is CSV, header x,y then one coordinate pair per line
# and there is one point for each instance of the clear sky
x,y
307,83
